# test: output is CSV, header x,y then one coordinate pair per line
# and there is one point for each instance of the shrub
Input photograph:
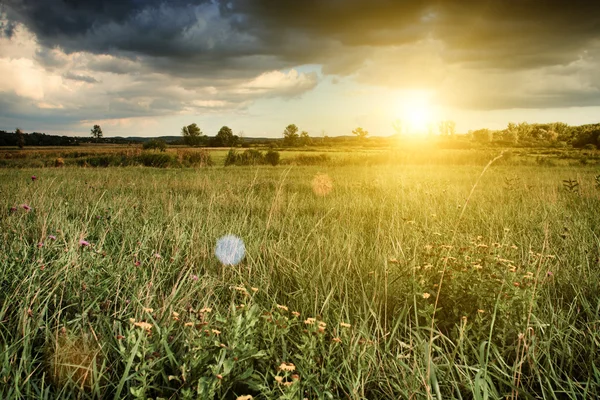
x,y
195,158
231,157
272,157
248,157
155,144
303,159
160,160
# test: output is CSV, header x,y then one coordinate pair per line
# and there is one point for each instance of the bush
x,y
155,144
160,160
272,157
303,159
195,158
248,157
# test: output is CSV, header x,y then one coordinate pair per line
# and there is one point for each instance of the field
x,y
427,278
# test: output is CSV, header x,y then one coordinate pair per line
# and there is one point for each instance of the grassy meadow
x,y
408,280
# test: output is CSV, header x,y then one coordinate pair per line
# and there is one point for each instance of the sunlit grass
x,y
337,286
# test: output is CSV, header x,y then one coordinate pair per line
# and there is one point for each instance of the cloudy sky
x,y
148,67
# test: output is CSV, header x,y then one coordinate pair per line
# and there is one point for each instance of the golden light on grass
x,y
75,360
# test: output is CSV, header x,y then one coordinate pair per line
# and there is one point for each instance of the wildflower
x,y
345,325
51,237
427,247
206,310
393,261
240,289
13,209
310,321
426,295
480,311
254,289
549,273
477,266
216,332
144,325
137,263
84,243
279,379
25,207
157,256
295,313
120,337
516,284
194,277
33,178
284,308
189,324
148,310
514,247
464,319
246,397
40,244
175,316
336,340
287,367
219,377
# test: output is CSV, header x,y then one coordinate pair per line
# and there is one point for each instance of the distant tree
x,y
192,135
20,138
482,135
155,144
226,138
360,133
290,135
305,139
447,128
96,132
398,126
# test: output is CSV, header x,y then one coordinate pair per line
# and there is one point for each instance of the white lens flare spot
x,y
230,250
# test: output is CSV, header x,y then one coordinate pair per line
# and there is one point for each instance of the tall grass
x,y
334,299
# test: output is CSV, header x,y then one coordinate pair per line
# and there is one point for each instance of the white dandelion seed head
x,y
230,250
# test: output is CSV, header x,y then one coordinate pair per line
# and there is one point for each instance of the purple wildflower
x,y
194,277
84,243
136,263
51,237
33,178
13,209
40,244
549,273
158,256
26,207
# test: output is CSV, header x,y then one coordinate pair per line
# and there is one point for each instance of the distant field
x,y
175,156
336,295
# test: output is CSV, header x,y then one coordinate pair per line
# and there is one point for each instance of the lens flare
x,y
230,250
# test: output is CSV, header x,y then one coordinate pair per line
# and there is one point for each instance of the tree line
x,y
515,134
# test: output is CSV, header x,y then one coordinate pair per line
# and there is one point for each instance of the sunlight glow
x,y
415,114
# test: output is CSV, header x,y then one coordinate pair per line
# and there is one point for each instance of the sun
x,y
415,114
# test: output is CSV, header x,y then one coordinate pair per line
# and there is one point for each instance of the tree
x,y
226,138
290,135
482,135
155,144
360,133
20,138
305,139
96,132
192,135
447,128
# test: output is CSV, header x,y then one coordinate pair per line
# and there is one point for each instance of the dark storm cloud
x,y
207,42
77,77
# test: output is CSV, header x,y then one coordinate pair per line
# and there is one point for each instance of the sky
x,y
149,67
